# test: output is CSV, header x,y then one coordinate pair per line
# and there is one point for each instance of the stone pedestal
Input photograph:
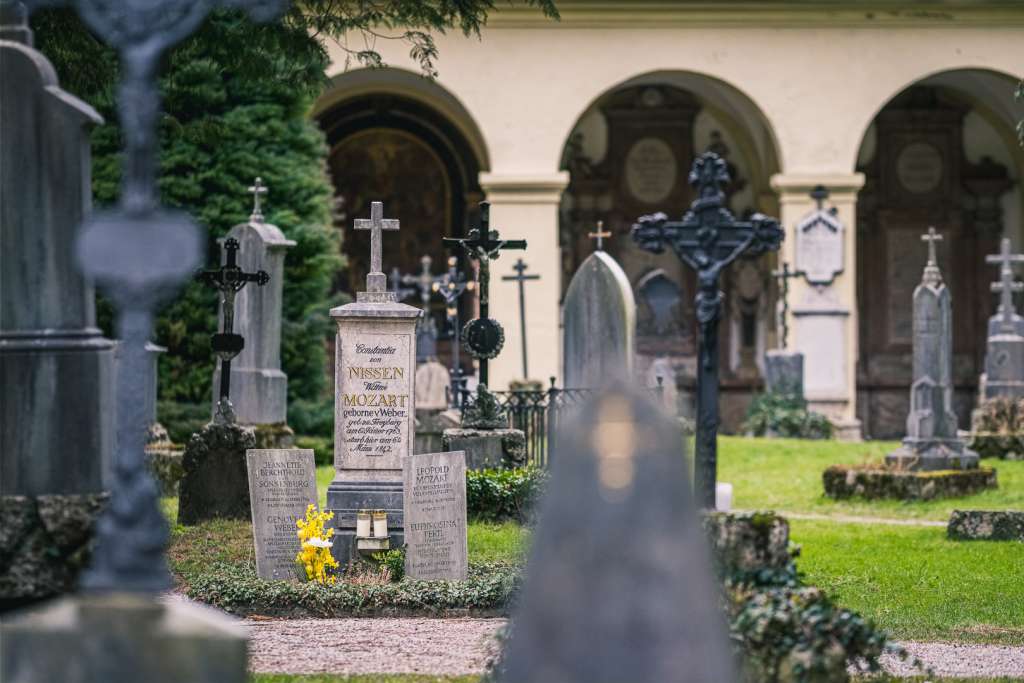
x,y
1004,367
122,638
488,448
784,372
259,389
374,420
215,482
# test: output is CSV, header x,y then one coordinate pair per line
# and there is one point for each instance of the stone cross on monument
x,y
708,239
257,189
376,280
599,235
1006,286
228,280
519,277
483,336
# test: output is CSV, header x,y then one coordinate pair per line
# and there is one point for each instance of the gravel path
x,y
365,646
462,646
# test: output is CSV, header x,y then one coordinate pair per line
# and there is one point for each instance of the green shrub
x,y
785,415
323,449
500,495
394,561
182,420
998,429
312,418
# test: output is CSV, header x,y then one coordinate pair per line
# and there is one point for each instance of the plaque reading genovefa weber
x,y
435,516
282,484
374,399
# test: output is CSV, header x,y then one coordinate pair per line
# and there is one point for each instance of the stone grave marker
x,y
282,484
435,516
600,323
1004,355
619,583
375,387
819,242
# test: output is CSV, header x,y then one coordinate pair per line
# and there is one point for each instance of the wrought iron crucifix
x,y
450,286
229,279
708,239
1006,285
784,275
519,277
483,336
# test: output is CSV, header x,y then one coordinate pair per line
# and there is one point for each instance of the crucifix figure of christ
x,y
376,280
1006,285
784,275
450,286
229,279
483,336
599,235
519,277
708,239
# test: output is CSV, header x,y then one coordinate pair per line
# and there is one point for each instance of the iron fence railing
x,y
537,413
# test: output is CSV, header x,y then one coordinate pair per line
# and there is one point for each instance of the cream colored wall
x,y
525,85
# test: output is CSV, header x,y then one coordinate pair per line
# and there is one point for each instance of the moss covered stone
x,y
165,464
215,481
878,481
986,525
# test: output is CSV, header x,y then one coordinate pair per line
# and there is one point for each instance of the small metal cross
x,y
257,188
931,238
784,275
1006,285
599,235
519,267
375,224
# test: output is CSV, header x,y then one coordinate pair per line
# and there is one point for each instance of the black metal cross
x,y
784,275
708,239
450,286
519,267
229,279
483,245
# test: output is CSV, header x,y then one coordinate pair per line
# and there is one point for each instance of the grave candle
x,y
380,524
363,524
723,497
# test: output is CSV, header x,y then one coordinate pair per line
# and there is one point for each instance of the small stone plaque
x,y
819,247
435,516
650,170
919,168
282,484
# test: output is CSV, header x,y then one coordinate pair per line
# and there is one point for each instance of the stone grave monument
x,y
374,409
282,484
932,442
599,319
433,386
259,387
435,516
598,605
56,368
118,629
1004,356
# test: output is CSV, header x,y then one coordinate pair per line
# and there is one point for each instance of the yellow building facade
x,y
904,112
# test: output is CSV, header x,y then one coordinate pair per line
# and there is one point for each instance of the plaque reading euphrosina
x,y
435,515
375,403
282,484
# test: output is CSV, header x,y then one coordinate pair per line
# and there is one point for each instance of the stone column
x,y
374,403
259,389
525,206
823,319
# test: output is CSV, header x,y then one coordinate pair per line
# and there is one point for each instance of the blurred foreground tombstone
x,y
117,629
56,368
619,586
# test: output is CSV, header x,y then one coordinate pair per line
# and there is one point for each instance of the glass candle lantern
x,y
363,524
380,524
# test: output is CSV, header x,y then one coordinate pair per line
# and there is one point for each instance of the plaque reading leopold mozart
x,y
435,515
650,170
282,483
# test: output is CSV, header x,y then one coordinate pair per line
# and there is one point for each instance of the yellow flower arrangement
x,y
315,556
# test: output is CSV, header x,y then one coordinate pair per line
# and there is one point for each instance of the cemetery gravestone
x,y
260,387
282,484
435,516
1004,357
819,242
432,414
619,584
932,442
56,370
599,317
375,385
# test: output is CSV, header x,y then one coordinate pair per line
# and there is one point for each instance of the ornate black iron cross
x,y
229,280
708,239
450,286
519,277
483,336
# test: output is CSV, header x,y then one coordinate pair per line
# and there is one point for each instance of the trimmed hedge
x,y
873,482
502,495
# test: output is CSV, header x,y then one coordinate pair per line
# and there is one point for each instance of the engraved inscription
x,y
282,483
650,170
435,515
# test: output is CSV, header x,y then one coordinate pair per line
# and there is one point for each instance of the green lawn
x,y
785,475
915,583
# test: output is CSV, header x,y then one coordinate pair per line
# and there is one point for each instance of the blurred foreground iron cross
x,y
708,239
